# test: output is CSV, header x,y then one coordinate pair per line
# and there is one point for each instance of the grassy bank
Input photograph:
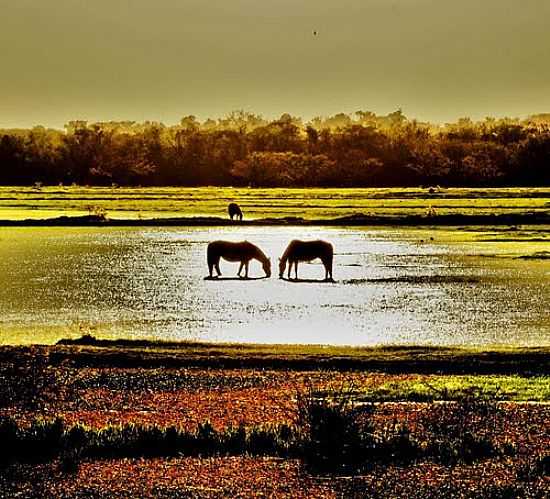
x,y
208,205
357,220
89,351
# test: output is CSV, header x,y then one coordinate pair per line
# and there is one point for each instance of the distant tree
x,y
532,161
312,138
12,159
363,149
276,169
189,123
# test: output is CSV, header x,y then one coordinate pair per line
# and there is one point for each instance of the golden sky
x,y
163,59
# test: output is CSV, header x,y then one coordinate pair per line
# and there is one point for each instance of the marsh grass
x,y
465,430
313,203
536,467
92,352
333,437
331,434
459,387
339,435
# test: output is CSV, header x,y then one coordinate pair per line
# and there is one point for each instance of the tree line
x,y
359,150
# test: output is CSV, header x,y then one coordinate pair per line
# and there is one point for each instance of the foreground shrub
x,y
464,430
399,448
8,439
69,461
535,468
468,449
331,437
40,441
543,465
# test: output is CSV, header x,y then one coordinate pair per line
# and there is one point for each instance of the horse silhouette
x,y
305,251
235,211
236,252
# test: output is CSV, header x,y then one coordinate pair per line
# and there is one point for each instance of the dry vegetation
x,y
487,434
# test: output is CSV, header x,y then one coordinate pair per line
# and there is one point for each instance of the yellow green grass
x,y
18,203
443,387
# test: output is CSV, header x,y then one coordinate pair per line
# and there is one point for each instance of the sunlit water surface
x,y
393,286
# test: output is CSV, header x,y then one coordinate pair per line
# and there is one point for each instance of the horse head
x,y
266,265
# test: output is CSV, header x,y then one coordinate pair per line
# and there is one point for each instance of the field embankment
x,y
26,206
352,220
89,351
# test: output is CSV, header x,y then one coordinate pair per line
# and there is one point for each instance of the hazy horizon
x,y
135,60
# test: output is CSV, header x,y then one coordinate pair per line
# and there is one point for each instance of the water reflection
x,y
149,283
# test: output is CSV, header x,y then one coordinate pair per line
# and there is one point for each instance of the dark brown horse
x,y
234,211
236,252
305,251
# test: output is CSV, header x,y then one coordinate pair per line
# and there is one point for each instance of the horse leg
x,y
325,264
328,269
296,270
246,269
212,263
240,269
217,266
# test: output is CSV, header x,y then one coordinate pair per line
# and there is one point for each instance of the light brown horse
x,y
305,251
236,252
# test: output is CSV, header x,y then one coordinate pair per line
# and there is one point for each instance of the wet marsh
x,y
421,286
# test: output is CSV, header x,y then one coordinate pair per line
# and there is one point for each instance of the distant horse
x,y
305,251
234,211
236,252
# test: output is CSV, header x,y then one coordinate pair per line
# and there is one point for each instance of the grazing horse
x,y
236,252
235,211
305,251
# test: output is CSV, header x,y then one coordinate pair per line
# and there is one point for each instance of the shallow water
x,y
393,286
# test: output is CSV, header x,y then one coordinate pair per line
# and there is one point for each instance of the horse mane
x,y
284,258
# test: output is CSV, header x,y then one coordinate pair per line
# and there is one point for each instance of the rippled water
x,y
149,283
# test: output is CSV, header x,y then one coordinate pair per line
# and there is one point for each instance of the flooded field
x,y
393,286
